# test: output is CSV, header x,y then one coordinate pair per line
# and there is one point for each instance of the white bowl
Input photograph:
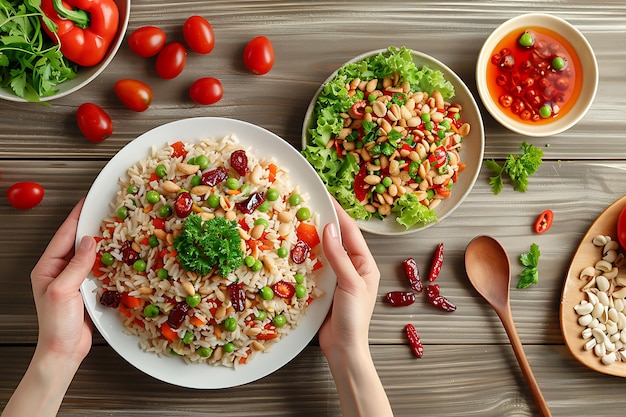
x,y
85,74
588,73
471,153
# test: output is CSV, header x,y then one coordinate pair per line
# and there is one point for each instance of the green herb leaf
x,y
518,168
203,245
530,261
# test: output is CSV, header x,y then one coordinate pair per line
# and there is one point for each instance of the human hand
x,y
64,330
347,325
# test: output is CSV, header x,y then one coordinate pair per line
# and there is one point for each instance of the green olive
x,y
558,63
526,40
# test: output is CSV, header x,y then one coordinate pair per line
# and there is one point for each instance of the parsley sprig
x,y
517,167
31,65
203,245
530,273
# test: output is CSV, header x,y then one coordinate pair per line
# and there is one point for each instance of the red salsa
x,y
534,75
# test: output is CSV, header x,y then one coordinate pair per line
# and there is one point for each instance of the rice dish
x,y
208,253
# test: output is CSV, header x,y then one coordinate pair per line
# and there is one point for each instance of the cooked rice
x,y
249,336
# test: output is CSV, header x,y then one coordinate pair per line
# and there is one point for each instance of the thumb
x,y
81,263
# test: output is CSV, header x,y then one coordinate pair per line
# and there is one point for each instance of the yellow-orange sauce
x,y
522,80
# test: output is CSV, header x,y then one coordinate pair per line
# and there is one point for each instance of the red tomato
x,y
25,195
94,123
171,60
135,94
147,41
206,90
544,221
258,56
198,34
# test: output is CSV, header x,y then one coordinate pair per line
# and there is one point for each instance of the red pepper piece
x,y
84,28
544,221
400,298
360,186
435,267
357,111
415,341
412,273
284,289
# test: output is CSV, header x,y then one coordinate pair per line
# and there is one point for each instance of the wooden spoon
x,y
488,269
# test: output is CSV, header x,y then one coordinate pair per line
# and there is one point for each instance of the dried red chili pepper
x,y
400,298
435,267
413,274
433,294
544,221
415,341
432,291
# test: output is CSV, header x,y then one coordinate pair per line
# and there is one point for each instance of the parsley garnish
x,y
205,244
530,274
518,167
31,65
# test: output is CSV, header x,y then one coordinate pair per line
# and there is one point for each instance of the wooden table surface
x,y
468,367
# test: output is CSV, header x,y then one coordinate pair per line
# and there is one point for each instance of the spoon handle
x,y
509,327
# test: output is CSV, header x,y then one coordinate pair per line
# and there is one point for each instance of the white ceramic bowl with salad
x,y
397,138
60,86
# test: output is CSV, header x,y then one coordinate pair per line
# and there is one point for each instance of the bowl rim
x,y
478,126
124,18
578,42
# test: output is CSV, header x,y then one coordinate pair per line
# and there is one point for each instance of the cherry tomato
x,y
621,228
206,90
135,94
258,56
198,34
94,123
25,195
544,221
171,60
147,41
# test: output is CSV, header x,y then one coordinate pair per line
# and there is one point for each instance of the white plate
x,y
97,205
471,152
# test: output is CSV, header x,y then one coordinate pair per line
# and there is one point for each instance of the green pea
x,y
230,324
387,182
280,320
425,117
303,213
151,311
545,111
299,278
232,183
257,266
429,125
196,180
526,40
107,258
132,189
153,241
193,300
558,63
272,194
295,199
441,133
300,291
202,161
264,207
249,261
204,352
261,315
380,189
262,221
282,252
160,171
445,123
139,265
162,273
229,347
153,196
267,293
165,211
122,213
245,189
213,201
188,337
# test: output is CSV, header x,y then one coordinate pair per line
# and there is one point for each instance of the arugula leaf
x,y
31,65
517,167
530,261
205,244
